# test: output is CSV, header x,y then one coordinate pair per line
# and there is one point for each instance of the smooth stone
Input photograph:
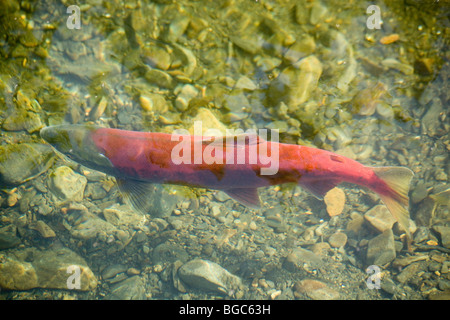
x,y
321,248
187,93
132,288
444,232
41,227
162,200
419,193
8,237
318,13
316,290
245,83
160,78
113,270
85,225
208,276
168,253
397,65
381,249
431,118
154,102
380,217
22,120
22,162
335,201
408,272
298,258
424,66
66,184
156,57
123,215
208,121
295,83
338,240
300,49
47,269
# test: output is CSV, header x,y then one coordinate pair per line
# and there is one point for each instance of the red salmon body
x,y
238,165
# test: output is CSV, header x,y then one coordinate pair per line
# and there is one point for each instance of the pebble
x,y
321,248
209,276
295,83
316,290
444,232
335,201
43,229
408,272
397,65
113,270
299,258
8,237
390,38
187,93
338,240
132,288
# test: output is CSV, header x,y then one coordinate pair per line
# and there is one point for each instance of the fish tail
x,y
394,193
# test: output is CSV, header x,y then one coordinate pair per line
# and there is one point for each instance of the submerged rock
x,y
380,217
381,249
335,201
23,162
54,268
295,83
8,238
84,225
129,289
316,290
300,258
209,276
66,184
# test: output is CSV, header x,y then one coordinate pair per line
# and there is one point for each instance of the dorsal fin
x,y
239,140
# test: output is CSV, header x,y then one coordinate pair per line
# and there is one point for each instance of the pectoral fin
x,y
136,193
246,196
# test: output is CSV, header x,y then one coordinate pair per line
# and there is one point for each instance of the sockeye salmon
x,y
138,158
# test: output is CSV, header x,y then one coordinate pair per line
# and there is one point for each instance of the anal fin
x,y
319,188
246,196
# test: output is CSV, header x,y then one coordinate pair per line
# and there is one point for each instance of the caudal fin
x,y
395,196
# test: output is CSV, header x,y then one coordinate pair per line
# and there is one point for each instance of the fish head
x,y
76,143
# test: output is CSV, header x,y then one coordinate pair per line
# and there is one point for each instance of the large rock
x,y
56,268
381,249
8,238
85,225
66,184
209,276
300,258
129,289
22,162
295,83
444,232
380,217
